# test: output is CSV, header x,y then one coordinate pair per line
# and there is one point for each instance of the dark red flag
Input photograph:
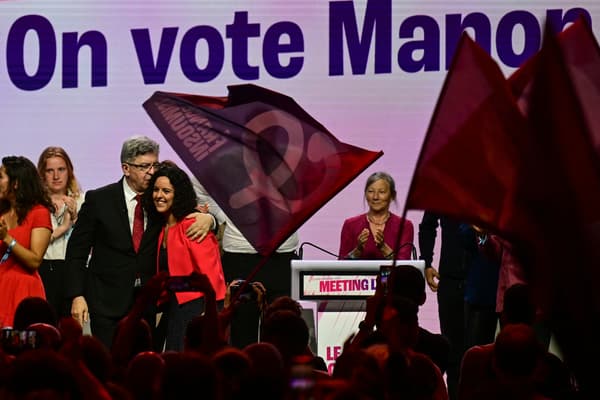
x,y
266,162
560,189
581,55
471,154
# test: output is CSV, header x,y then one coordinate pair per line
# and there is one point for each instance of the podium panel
x,y
339,288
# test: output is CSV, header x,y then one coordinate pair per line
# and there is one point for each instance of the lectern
x,y
337,289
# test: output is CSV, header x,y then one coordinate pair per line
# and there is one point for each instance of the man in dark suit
x,y
449,286
105,286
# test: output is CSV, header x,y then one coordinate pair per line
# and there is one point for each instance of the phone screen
x,y
14,341
384,276
179,284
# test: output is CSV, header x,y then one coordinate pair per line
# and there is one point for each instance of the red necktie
x,y
138,223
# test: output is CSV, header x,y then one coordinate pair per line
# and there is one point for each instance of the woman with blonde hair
x,y
57,173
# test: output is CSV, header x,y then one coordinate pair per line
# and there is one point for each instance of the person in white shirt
x,y
57,173
239,259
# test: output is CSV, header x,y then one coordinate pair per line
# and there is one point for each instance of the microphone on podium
x,y
301,249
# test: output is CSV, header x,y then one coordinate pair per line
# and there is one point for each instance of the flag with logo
x,y
266,162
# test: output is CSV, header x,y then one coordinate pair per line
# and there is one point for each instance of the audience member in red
x,y
519,365
268,376
31,310
25,230
287,303
362,371
233,371
188,374
144,374
288,333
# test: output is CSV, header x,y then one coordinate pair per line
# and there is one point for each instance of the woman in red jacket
x,y
171,195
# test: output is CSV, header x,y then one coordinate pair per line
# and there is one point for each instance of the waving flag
x,y
469,161
543,188
561,182
266,162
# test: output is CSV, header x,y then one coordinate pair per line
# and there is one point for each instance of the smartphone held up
x,y
180,283
385,272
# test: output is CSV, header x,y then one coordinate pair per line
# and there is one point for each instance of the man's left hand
x,y
200,228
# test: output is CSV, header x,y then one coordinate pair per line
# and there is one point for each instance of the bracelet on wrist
x,y
8,250
390,255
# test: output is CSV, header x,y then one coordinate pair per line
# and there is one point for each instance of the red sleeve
x,y
347,240
206,259
408,236
40,217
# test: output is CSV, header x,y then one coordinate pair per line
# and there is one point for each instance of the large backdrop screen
x,y
75,74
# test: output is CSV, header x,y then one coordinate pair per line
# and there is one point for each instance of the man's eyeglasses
x,y
144,167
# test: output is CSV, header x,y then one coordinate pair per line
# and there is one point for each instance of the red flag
x,y
560,189
470,158
581,55
266,162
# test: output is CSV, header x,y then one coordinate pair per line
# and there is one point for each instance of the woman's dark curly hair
x,y
184,200
26,185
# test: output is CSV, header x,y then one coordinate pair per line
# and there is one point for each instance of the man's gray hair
x,y
136,146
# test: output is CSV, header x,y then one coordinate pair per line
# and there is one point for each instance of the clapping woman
x,y
25,230
56,170
372,236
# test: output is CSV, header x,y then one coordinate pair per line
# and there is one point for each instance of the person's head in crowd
x,y
188,372
70,329
405,281
400,323
380,191
42,374
57,172
46,336
362,370
288,332
518,305
410,377
132,336
408,281
21,187
31,310
233,370
170,193
283,303
267,373
144,374
139,159
96,357
516,352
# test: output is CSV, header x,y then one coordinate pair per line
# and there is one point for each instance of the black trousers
x,y
104,327
276,277
451,304
480,324
53,276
